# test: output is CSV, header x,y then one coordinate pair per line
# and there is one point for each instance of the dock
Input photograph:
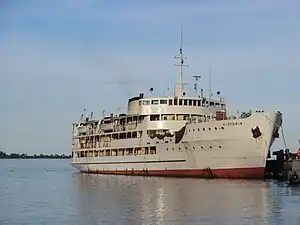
x,y
285,167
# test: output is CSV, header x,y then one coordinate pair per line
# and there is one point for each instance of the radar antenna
x,y
180,57
197,77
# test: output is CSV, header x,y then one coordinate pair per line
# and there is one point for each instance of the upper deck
x,y
174,105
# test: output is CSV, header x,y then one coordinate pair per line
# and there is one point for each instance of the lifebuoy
x,y
295,177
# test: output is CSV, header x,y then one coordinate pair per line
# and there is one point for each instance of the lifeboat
x,y
81,129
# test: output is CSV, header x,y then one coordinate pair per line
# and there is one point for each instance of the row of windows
x,y
117,152
132,151
193,148
215,128
119,135
157,117
187,102
222,128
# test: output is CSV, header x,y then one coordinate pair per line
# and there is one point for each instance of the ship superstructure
x,y
176,135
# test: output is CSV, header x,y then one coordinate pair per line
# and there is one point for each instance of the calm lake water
x,y
50,191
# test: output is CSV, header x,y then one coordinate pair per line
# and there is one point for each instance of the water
x,y
48,191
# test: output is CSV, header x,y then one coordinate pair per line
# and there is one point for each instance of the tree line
x,y
4,155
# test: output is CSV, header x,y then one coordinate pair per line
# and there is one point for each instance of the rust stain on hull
x,y
238,173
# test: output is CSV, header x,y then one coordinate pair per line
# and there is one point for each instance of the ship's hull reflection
x,y
150,200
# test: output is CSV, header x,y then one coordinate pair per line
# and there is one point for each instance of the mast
x,y
210,94
180,57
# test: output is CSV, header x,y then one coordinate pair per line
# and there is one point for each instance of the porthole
x,y
198,129
167,149
220,146
193,130
173,148
179,149
210,147
216,128
209,128
201,147
193,147
186,148
204,129
222,128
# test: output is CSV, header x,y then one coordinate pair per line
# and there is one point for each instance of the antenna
x,y
197,77
210,94
103,113
180,57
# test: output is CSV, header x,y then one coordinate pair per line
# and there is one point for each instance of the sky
x,y
61,56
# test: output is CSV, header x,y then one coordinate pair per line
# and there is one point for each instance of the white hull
x,y
228,149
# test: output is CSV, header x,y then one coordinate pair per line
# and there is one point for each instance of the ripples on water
x,y
37,191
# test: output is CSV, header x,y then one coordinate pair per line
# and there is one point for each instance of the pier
x,y
286,167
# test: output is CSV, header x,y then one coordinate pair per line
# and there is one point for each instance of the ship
x,y
177,135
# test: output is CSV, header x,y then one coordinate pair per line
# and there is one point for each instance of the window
x,y
185,102
153,150
163,101
180,101
175,101
182,117
154,117
155,102
190,102
170,101
134,134
146,102
122,135
168,117
194,102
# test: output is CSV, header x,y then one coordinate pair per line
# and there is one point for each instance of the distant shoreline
x,y
4,155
